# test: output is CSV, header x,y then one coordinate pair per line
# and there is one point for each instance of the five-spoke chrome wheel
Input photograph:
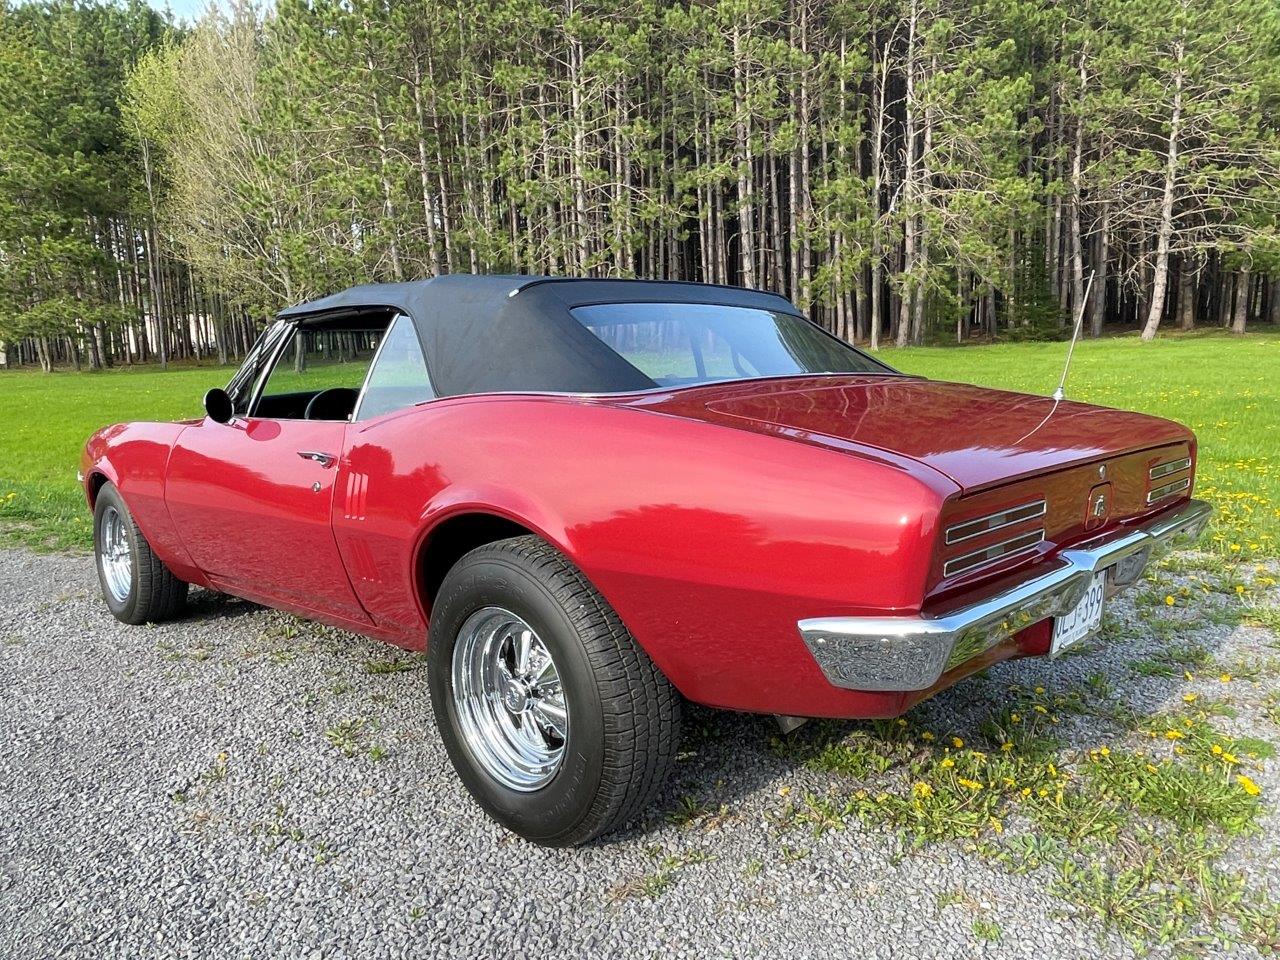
x,y
115,556
510,702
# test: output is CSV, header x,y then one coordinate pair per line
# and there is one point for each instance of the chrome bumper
x,y
911,653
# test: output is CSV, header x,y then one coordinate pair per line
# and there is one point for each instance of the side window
x,y
317,376
399,375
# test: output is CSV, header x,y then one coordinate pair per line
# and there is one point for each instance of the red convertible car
x,y
593,499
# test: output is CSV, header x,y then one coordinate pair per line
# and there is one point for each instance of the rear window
x,y
675,344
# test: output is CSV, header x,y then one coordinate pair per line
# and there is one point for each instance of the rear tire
x,y
136,584
561,764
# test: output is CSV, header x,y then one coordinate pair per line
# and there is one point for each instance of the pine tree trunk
x,y
908,185
1160,281
1186,295
1077,191
877,166
746,220
1098,306
1244,288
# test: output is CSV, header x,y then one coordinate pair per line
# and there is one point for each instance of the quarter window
x,y
398,378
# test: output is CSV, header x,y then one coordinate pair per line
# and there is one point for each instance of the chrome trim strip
x,y
1168,490
995,521
1164,469
911,653
997,551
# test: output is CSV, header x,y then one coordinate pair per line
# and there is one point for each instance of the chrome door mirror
x,y
217,404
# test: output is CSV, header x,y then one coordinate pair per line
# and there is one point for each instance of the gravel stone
x,y
185,790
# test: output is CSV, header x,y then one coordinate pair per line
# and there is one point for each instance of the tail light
x,y
1007,519
1161,487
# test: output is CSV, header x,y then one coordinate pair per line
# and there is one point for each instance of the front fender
x,y
134,457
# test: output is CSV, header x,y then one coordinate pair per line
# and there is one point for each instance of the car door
x,y
252,498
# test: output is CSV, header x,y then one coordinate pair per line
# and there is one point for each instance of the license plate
x,y
1083,620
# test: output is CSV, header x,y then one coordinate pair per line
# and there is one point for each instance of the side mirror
x,y
217,404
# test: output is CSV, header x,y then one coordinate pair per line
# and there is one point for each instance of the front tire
x,y
136,584
555,719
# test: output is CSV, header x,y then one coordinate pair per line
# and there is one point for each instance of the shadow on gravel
x,y
204,605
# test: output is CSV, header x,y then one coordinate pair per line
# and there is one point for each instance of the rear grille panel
x,y
994,532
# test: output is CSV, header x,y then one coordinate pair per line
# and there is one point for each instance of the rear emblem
x,y
1097,506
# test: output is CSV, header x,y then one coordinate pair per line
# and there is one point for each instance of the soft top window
x,y
676,344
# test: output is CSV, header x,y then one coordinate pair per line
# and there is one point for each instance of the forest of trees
x,y
907,170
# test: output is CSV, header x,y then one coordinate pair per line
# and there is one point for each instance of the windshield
x,y
675,344
241,386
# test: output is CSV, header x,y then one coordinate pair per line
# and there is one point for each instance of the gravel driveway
x,y
245,784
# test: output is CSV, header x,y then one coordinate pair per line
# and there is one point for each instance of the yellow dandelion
x,y
969,784
927,737
1015,718
1190,697
1225,678
947,763
1216,750
1251,788
1229,758
1151,768
1039,689
957,742
1169,601
1105,751
1006,746
1174,735
922,789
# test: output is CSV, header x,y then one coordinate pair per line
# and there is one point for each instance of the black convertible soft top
x,y
494,333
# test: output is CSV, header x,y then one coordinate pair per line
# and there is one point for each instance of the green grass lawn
x,y
1225,388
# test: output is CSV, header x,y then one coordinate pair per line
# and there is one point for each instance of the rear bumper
x,y
911,653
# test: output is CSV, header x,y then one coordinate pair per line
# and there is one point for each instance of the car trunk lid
x,y
976,436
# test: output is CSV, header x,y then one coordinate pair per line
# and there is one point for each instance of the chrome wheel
x,y
510,702
114,555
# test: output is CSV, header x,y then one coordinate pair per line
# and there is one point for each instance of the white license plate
x,y
1083,620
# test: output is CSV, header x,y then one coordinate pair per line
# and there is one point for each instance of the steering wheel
x,y
336,403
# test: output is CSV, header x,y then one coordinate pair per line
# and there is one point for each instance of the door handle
x,y
324,459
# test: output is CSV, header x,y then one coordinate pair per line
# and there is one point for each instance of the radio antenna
x,y
1060,393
